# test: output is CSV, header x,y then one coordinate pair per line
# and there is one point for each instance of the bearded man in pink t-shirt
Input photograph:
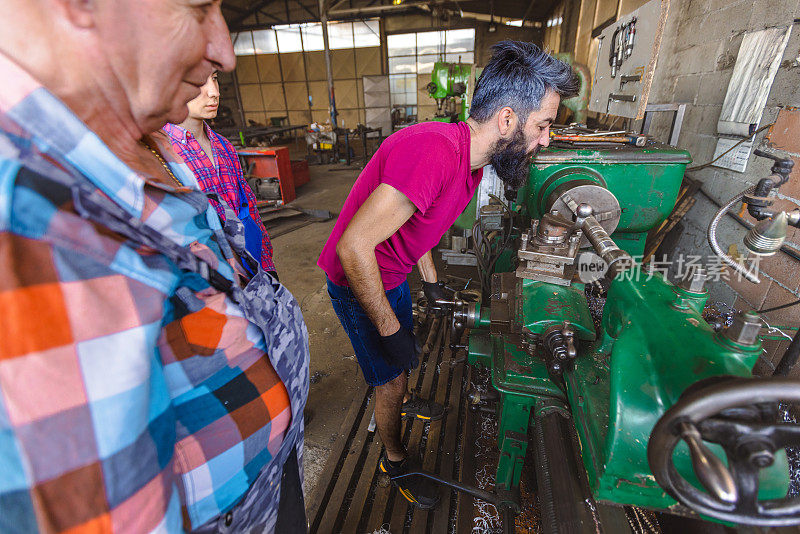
x,y
409,194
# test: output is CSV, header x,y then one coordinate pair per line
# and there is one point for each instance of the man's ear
x,y
506,121
81,13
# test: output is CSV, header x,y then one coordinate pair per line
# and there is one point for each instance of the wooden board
x,y
269,69
650,21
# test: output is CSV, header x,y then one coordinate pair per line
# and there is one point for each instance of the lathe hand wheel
x,y
738,414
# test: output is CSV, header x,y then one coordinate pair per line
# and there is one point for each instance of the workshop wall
x,y
484,39
701,43
569,26
294,84
290,80
485,36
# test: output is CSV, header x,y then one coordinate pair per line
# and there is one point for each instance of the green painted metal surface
x,y
644,180
512,439
450,80
446,77
545,305
653,344
579,103
516,372
479,349
522,380
468,216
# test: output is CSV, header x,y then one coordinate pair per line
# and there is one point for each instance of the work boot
x,y
419,491
421,409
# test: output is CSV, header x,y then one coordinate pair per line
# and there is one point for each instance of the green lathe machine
x,y
449,86
642,403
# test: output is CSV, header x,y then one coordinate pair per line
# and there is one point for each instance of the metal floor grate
x,y
353,497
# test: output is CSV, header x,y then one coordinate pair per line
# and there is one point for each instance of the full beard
x,y
511,161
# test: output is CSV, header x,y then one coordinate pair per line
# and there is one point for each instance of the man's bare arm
x,y
427,270
384,211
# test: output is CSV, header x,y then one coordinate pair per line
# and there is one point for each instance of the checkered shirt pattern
x,y
134,397
220,178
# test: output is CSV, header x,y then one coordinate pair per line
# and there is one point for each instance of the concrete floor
x,y
334,371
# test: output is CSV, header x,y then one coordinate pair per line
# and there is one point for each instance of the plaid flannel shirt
x,y
220,177
134,397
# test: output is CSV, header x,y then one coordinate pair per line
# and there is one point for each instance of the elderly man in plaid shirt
x,y
216,165
148,380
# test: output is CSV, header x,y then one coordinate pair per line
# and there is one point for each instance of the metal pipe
x,y
790,250
712,237
491,498
323,17
375,10
238,93
789,358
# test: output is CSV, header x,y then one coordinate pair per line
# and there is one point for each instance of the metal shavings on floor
x,y
529,520
792,454
486,517
642,521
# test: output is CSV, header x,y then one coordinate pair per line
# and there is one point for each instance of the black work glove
x,y
400,349
434,291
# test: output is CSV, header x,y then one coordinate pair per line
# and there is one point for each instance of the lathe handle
x,y
710,470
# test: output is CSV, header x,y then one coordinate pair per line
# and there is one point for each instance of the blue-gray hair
x,y
519,75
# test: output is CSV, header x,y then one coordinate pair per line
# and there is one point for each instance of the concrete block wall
x,y
698,53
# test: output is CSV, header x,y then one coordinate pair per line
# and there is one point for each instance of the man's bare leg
x,y
388,406
388,401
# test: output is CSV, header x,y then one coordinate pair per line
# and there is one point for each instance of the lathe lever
x,y
710,470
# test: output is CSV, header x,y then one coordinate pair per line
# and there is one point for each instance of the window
x,y
403,89
403,64
289,38
404,44
312,38
307,37
265,42
413,54
287,76
430,42
366,33
340,35
460,40
243,44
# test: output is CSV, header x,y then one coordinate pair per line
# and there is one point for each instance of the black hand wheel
x,y
739,415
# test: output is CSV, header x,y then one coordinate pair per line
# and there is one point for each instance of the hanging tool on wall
x,y
622,43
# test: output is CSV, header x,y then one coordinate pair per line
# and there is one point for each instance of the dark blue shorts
x,y
363,334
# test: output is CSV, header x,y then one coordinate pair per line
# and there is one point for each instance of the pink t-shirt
x,y
429,164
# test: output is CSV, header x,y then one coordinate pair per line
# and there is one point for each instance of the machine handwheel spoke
x,y
745,476
787,435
